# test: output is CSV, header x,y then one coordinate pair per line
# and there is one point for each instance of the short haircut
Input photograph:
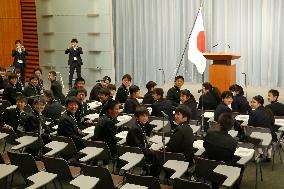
x,y
274,92
179,77
104,91
53,73
111,104
111,87
226,94
127,76
2,69
158,91
207,86
33,76
237,88
150,85
106,78
37,69
141,110
81,91
12,76
74,40
259,99
48,94
78,79
184,110
133,89
226,121
21,98
18,41
38,100
70,100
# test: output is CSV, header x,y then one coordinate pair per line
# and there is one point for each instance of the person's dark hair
x,y
237,88
21,98
81,91
150,85
187,93
38,100
207,86
104,91
48,94
133,89
179,77
70,100
184,110
18,41
106,78
74,40
274,92
53,73
127,76
33,76
226,94
226,121
78,79
259,99
37,69
2,69
12,76
141,110
158,91
111,104
111,87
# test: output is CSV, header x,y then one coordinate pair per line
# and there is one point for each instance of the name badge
x,y
75,58
20,61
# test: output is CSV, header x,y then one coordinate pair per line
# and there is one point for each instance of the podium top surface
x,y
221,56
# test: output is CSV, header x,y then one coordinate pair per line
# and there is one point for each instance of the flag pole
x,y
187,40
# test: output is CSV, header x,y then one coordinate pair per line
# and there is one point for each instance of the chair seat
x,y
165,186
117,180
75,171
40,166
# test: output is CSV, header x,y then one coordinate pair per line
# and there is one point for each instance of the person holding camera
x,y
75,61
19,54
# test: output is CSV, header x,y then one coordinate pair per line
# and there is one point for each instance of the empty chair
x,y
60,167
170,156
186,184
148,181
26,163
70,150
105,154
106,179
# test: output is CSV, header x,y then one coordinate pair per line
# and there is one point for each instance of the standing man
x,y
75,60
19,54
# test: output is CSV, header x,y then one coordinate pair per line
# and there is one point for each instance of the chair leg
x,y
280,156
54,184
260,169
11,185
273,159
60,183
256,173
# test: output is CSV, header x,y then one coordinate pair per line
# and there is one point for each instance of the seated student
x,y
276,107
137,137
240,103
104,97
19,85
112,89
94,95
53,108
225,104
181,140
14,118
82,109
209,99
68,125
3,83
38,72
79,84
174,92
186,98
131,103
262,117
105,130
148,97
31,90
122,92
10,93
56,87
161,104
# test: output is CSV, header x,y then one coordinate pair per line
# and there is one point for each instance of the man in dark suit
x,y
182,139
56,87
53,108
19,54
104,97
105,130
75,61
82,109
276,107
31,90
10,93
210,97
94,95
122,91
68,125
148,97
131,103
174,92
79,84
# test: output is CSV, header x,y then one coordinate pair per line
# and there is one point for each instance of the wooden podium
x,y
221,73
